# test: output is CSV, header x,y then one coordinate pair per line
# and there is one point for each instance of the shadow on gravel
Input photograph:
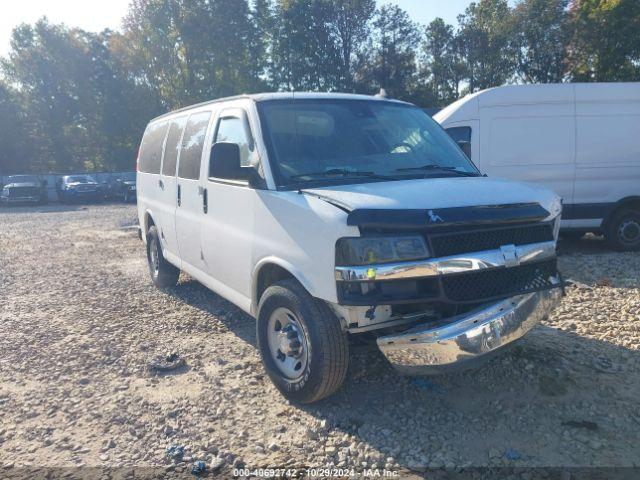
x,y
524,401
589,244
198,296
547,402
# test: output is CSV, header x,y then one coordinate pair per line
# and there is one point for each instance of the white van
x,y
327,216
580,139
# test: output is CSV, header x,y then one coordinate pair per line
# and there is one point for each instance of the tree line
x,y
73,100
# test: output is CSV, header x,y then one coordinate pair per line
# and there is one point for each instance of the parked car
x,y
24,189
327,216
581,140
76,188
123,188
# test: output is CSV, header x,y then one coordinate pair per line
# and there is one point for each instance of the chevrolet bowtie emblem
x,y
510,255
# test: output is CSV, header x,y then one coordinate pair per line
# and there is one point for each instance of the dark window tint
x,y
172,147
462,136
192,144
234,130
151,148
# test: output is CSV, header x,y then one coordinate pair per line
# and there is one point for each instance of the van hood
x,y
439,194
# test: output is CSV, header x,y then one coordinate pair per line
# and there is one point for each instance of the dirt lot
x,y
80,320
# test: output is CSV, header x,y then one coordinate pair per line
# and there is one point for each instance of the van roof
x,y
468,106
262,97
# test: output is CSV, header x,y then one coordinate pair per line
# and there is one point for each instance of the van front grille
x,y
453,243
499,282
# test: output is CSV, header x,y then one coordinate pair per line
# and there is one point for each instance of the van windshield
x,y
351,141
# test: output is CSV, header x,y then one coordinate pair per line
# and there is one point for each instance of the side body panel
x,y
533,143
608,148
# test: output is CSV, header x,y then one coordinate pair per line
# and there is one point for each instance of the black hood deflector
x,y
446,217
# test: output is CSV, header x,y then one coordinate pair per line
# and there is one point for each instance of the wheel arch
x,y
270,270
626,202
148,223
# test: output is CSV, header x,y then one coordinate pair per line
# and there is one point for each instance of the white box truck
x,y
580,139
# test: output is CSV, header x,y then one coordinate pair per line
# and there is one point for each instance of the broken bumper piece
x,y
465,340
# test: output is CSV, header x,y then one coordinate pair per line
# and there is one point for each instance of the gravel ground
x,y
80,321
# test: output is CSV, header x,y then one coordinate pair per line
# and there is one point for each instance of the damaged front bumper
x,y
463,341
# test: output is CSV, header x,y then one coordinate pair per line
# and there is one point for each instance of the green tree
x,y
390,60
350,26
15,147
193,50
542,35
442,65
81,110
304,51
486,38
605,41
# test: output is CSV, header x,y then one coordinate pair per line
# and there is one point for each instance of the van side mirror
x,y
225,163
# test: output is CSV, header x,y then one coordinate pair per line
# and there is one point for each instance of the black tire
x,y
328,348
623,230
163,274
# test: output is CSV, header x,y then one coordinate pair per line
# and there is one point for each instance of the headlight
x,y
384,249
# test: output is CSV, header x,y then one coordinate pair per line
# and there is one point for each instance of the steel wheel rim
x,y
288,344
625,227
153,257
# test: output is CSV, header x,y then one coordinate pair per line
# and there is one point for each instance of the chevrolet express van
x,y
580,139
330,216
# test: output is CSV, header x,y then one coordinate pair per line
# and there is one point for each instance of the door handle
x,y
205,201
161,184
179,195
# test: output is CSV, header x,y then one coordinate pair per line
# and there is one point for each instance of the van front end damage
x,y
455,307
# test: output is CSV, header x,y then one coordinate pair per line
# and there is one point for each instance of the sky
x,y
96,15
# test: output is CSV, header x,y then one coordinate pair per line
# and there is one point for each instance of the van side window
x,y
172,146
462,136
151,148
233,130
192,145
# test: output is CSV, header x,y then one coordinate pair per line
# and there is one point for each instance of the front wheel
x,y
163,274
303,347
623,230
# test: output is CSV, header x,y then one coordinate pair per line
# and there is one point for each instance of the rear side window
x,y
151,148
172,147
192,145
233,130
462,136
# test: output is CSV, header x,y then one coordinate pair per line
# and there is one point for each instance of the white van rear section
x,y
581,140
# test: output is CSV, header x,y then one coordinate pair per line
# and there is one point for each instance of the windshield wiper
x,y
345,172
433,167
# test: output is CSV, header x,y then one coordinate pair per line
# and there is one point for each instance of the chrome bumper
x,y
506,256
462,342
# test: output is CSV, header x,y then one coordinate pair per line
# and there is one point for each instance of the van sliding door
x,y
188,195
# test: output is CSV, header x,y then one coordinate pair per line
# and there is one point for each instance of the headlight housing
x,y
380,249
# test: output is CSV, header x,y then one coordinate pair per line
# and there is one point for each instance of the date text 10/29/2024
x,y
311,472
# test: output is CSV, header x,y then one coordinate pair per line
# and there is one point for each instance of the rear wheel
x,y
163,274
623,230
301,342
